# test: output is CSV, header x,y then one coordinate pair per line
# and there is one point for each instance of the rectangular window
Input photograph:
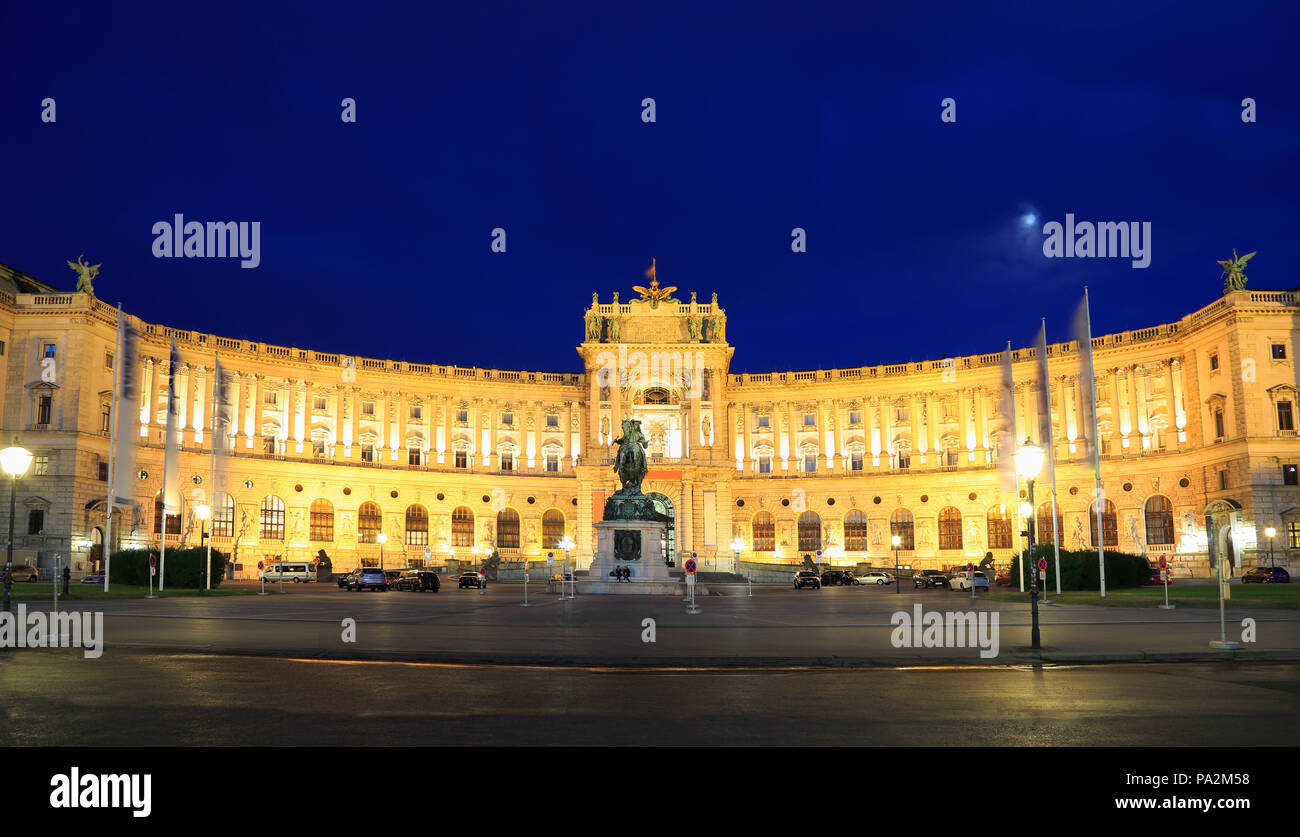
x,y
507,462
1223,480
462,415
105,416
507,418
1285,420
36,522
904,460
462,459
949,411
318,403
552,463
763,421
765,464
1214,362
48,350
268,444
855,461
1289,475
2,348
43,404
413,456
367,453
268,398
42,464
1293,534
855,417
318,450
809,419
108,360
368,408
1279,351
901,415
810,463
1218,424
416,411
552,421
103,472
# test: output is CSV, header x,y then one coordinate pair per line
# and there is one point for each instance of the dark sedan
x,y
469,580
807,578
418,582
1266,575
930,578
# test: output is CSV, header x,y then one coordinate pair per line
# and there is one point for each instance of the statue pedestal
x,y
637,545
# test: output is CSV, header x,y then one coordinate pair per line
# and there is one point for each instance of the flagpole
x,y
171,395
1096,447
1051,449
1015,494
112,446
212,469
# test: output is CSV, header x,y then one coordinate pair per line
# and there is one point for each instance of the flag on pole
x,y
126,416
1092,445
1006,430
1046,441
223,428
171,463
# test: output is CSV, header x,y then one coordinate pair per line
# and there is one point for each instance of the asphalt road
x,y
777,626
57,698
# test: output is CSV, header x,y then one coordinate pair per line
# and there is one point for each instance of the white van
x,y
289,571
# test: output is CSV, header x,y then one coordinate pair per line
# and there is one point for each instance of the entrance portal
x,y
669,542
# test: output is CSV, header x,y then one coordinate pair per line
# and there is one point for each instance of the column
x,y
981,422
403,413
448,419
1176,409
146,411
197,402
746,415
340,416
825,413
234,394
593,411
792,437
1141,405
919,405
255,411
494,422
566,422
1116,413
874,446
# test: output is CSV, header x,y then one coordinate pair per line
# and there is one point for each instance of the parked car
x,y
833,578
367,578
26,572
343,580
1156,580
876,577
960,582
469,580
929,578
850,580
1266,575
93,578
295,571
1003,579
392,576
418,582
807,578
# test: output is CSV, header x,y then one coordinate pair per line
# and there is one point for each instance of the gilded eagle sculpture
x,y
654,294
1234,279
85,272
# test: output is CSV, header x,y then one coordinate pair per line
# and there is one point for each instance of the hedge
x,y
1079,569
184,567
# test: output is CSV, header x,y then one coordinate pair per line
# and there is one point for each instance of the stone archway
x,y
664,506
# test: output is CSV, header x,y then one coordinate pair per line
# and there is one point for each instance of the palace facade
x,y
1197,426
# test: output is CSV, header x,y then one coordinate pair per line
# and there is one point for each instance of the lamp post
x,y
203,512
897,541
15,461
1269,532
566,543
738,546
1029,461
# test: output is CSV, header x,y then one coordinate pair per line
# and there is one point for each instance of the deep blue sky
x,y
375,235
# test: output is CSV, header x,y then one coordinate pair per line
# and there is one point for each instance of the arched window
x,y
370,521
508,529
855,531
321,520
417,525
900,523
173,520
1045,532
462,527
950,528
223,516
810,532
552,529
763,532
1109,523
999,527
1160,521
272,519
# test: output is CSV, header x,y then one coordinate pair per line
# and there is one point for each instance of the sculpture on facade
x,y
615,328
86,272
1233,277
593,327
654,294
693,327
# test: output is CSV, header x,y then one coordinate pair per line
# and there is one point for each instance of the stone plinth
x,y
617,541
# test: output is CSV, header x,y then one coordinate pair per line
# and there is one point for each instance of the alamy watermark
x,y
65,629
935,629
1102,240
214,240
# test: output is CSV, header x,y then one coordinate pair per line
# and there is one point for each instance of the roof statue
x,y
1233,278
86,272
654,294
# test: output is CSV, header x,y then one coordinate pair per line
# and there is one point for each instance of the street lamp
x,y
897,541
382,537
203,511
1269,532
738,546
15,461
566,543
1029,461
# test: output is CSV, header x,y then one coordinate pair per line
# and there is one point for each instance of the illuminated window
x,y
552,463
272,518
1285,420
367,408
950,528
1279,351
1289,475
370,521
1109,524
763,532
999,522
417,525
764,421
223,517
1045,532
552,420
462,527
1160,521
462,458
855,531
765,464
901,524
810,532
173,520
318,403
552,529
855,462
322,521
507,461
508,529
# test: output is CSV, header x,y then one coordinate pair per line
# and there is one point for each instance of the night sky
x,y
376,235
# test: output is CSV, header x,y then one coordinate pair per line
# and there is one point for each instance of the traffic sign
x,y
970,568
1042,565
694,555
690,579
690,565
1162,562
260,565
550,559
153,560
428,553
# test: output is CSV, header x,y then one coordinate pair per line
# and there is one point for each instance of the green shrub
x,y
184,567
1079,569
